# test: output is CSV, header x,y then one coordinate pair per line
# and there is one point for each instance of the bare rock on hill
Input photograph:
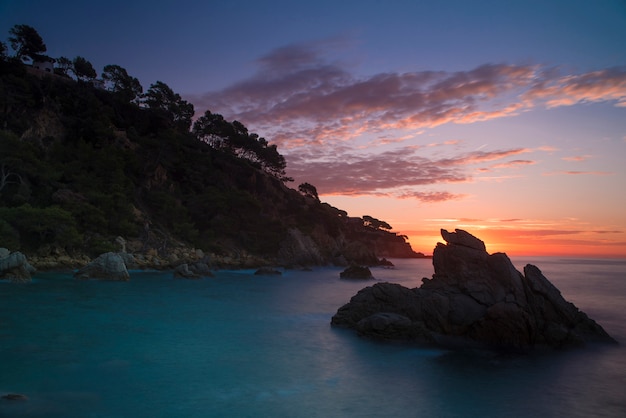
x,y
107,266
474,299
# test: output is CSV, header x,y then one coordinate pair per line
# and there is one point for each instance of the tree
x,y
83,70
234,137
308,190
213,129
64,66
375,223
3,51
178,112
126,87
274,163
26,42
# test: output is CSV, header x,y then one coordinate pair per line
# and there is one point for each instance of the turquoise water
x,y
240,345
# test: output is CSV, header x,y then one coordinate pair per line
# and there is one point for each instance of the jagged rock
x,y
473,300
460,237
15,267
192,271
267,271
107,266
201,269
182,271
356,272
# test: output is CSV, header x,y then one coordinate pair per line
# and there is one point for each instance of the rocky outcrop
x,y
300,249
474,299
14,266
195,270
356,272
107,266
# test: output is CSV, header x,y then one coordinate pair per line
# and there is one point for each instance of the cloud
x,y
595,86
352,173
308,102
389,173
507,164
314,99
577,173
577,158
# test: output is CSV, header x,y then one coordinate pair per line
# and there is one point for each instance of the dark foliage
x,y
80,165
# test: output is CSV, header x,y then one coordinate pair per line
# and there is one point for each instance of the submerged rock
x,y
107,266
474,299
267,271
15,397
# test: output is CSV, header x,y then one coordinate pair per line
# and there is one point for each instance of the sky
x,y
503,118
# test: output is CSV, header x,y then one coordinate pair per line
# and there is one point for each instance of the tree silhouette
x,y
308,190
126,87
375,223
83,70
176,111
63,66
26,42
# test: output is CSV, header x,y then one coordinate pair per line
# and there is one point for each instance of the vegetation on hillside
x,y
83,160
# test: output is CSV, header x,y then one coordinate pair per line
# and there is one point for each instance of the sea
x,y
241,345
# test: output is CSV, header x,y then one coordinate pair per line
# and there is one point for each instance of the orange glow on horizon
x,y
505,241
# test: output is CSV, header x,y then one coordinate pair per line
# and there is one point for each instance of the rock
x,y
267,271
460,237
15,267
356,272
15,397
182,271
473,300
299,249
121,243
201,268
192,271
384,324
107,266
385,263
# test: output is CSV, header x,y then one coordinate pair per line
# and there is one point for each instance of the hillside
x,y
82,164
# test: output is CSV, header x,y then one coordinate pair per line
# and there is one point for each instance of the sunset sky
x,y
503,118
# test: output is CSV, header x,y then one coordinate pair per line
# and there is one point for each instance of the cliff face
x,y
85,167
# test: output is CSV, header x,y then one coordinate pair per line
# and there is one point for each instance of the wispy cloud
x,y
578,173
314,108
389,173
577,158
313,98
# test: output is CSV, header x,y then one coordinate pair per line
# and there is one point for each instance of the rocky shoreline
x,y
182,260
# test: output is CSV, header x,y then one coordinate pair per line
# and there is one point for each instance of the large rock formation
x,y
14,266
474,299
107,266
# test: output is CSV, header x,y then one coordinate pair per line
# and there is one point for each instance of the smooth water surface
x,y
241,345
